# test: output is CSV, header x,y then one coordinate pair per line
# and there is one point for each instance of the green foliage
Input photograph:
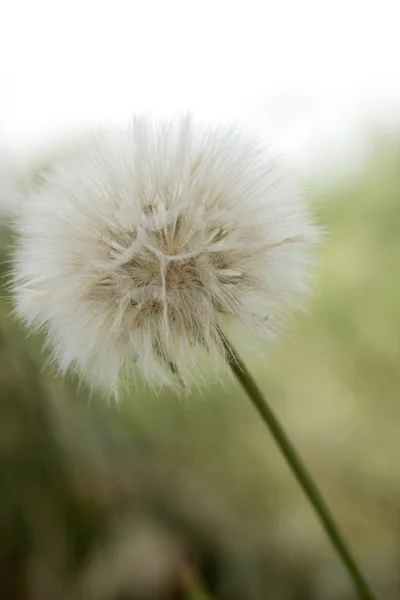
x,y
199,475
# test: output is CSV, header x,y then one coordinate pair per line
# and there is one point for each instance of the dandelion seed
x,y
134,252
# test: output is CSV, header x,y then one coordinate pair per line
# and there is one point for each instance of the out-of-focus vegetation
x,y
165,497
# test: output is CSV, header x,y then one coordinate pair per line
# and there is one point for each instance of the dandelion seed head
x,y
135,252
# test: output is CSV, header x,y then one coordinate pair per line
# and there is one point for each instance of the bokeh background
x,y
164,497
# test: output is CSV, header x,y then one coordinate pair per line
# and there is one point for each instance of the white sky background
x,y
306,75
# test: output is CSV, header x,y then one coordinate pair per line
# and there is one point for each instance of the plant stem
x,y
298,468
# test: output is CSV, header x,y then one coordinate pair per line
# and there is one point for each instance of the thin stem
x,y
298,468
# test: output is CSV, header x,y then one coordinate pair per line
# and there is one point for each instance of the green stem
x,y
298,468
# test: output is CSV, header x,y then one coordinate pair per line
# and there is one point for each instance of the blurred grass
x,y
201,473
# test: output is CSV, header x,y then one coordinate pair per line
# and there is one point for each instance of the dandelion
x,y
138,251
156,241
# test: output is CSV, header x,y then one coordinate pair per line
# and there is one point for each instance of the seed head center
x,y
180,273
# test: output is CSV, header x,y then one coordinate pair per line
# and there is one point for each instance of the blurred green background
x,y
167,497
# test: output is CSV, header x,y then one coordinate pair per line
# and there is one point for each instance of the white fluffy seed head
x,y
137,251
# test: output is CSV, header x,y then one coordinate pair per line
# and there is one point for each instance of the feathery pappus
x,y
145,243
